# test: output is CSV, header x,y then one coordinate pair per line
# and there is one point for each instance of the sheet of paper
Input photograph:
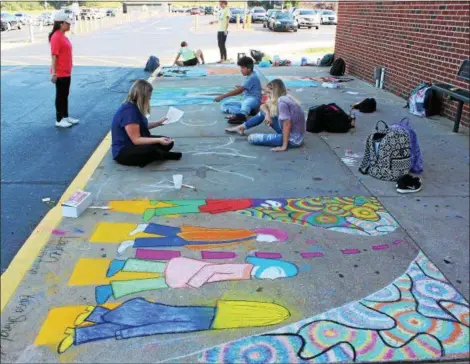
x,y
174,115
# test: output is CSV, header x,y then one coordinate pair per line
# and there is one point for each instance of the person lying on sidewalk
x,y
283,113
132,143
251,89
190,58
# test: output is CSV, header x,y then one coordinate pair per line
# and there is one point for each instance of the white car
x,y
328,17
307,18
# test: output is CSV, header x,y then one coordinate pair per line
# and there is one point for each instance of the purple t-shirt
x,y
290,110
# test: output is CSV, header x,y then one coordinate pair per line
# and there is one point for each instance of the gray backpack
x,y
388,153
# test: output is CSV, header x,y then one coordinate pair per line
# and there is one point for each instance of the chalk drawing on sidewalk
x,y
184,272
139,318
226,149
420,316
294,81
178,96
145,236
351,215
195,72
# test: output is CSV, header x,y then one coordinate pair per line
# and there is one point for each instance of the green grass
x,y
320,50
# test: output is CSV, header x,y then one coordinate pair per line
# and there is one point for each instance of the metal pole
x,y
31,33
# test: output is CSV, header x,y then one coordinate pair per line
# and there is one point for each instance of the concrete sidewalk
x,y
336,266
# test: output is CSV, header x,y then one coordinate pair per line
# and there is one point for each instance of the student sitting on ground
x,y
251,89
132,143
190,58
283,114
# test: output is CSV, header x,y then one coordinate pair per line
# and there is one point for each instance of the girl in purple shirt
x,y
283,113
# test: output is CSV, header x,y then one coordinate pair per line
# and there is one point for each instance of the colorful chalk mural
x,y
294,81
138,318
187,273
194,237
178,96
351,215
195,72
419,316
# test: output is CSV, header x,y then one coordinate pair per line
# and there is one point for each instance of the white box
x,y
76,204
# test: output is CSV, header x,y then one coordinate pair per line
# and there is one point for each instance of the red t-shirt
x,y
62,49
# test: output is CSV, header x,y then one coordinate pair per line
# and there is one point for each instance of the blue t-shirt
x,y
128,113
252,86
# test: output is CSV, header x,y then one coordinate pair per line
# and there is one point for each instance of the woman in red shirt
x,y
61,69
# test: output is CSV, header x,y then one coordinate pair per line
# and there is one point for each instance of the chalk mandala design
x,y
351,215
420,316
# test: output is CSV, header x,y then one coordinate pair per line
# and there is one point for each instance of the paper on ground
x,y
173,115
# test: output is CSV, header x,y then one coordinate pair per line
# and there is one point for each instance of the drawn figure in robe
x,y
138,317
188,273
197,237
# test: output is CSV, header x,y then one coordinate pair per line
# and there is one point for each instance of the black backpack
x,y
366,105
338,68
330,118
256,55
152,64
327,60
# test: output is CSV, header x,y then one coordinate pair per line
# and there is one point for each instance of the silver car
x,y
258,15
307,18
328,17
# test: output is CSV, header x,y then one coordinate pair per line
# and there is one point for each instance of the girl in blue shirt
x,y
132,143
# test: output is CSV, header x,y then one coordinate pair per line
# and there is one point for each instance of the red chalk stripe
x,y
396,242
157,254
350,251
217,255
268,255
311,255
58,232
380,247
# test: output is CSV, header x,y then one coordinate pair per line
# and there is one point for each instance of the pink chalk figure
x,y
188,273
198,237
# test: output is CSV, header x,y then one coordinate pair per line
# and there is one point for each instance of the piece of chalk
x,y
217,255
267,255
311,255
350,251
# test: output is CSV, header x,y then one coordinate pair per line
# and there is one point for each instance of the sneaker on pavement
x,y
407,179
409,185
63,124
72,120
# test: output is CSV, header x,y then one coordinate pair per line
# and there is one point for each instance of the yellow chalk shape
x,y
57,321
237,314
136,207
92,271
115,233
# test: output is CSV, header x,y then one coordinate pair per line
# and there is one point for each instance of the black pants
x,y
62,88
141,155
221,39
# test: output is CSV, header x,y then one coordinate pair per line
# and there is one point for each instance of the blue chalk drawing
x,y
188,72
289,82
176,96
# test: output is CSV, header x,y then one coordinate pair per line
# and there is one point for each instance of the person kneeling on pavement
x,y
132,143
251,89
190,58
283,113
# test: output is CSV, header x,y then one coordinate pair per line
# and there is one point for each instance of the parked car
x,y
268,16
45,19
99,14
23,18
234,13
209,10
195,11
283,21
110,12
87,14
307,18
328,17
258,15
9,22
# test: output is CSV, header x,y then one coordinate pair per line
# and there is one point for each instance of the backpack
x,y
338,68
366,105
424,101
256,55
416,158
152,64
327,60
388,154
330,118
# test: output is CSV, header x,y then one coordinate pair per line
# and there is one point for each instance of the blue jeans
x,y
270,140
245,107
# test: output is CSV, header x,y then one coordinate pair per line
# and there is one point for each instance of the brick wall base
x,y
416,41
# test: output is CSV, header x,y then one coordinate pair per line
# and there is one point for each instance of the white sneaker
x,y
63,123
72,121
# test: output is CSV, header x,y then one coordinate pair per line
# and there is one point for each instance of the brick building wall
x,y
415,41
